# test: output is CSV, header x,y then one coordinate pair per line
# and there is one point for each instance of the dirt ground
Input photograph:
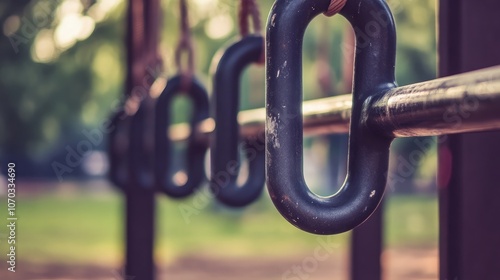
x,y
399,264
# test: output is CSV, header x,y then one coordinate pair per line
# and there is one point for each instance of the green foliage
x,y
411,221
49,97
49,91
416,56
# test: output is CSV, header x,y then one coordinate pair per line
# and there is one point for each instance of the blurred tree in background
x,y
63,63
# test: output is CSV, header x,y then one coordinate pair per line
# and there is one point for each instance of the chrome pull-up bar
x,y
468,102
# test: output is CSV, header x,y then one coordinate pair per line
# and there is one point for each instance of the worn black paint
x,y
225,161
368,150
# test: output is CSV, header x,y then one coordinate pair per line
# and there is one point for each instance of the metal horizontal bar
x,y
456,104
461,103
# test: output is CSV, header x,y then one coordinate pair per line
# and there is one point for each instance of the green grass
x,y
411,221
86,227
62,228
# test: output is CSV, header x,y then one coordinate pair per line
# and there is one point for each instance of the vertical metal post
x,y
140,229
366,248
469,164
142,42
367,239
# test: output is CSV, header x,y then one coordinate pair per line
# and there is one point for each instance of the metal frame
x,y
469,241
470,237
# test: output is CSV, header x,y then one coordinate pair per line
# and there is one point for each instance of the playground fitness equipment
x,y
377,112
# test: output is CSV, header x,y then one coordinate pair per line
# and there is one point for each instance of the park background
x,y
62,70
